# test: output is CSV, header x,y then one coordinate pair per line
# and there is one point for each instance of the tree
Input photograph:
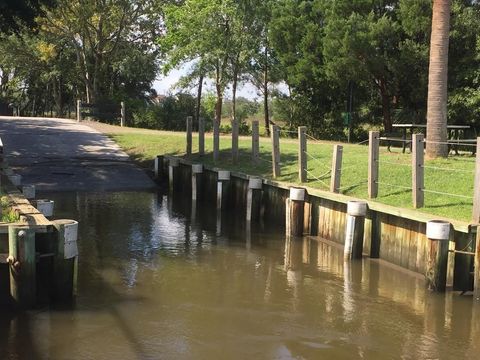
x,y
437,80
16,14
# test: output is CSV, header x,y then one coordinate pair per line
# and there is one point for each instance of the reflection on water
x,y
161,278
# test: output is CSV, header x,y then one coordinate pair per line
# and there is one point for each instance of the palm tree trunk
x,y
437,81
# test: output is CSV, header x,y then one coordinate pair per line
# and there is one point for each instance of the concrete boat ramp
x,y
63,155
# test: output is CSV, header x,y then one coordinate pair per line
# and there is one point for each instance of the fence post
x,y
275,135
189,135
373,152
476,266
417,171
216,139
79,110
234,140
201,136
255,142
122,113
336,168
302,153
476,191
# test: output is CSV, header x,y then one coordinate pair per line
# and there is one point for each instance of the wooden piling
x,y
373,154
197,170
235,140
295,211
438,234
275,136
254,195
201,136
417,171
189,124
222,188
65,259
302,154
122,114
476,189
336,168
255,142
375,234
79,110
22,261
158,167
354,233
216,139
172,169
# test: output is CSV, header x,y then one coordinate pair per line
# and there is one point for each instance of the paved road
x,y
62,155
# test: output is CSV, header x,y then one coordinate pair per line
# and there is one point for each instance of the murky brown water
x,y
155,284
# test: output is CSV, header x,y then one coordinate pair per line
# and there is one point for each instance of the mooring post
x,y
201,136
189,124
122,114
275,135
172,170
302,153
197,170
22,261
476,276
45,206
476,189
417,171
216,139
28,191
254,195
158,167
373,154
222,187
336,168
295,211
353,247
255,142
65,260
438,234
234,140
79,110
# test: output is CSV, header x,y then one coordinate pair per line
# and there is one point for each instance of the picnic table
x,y
453,132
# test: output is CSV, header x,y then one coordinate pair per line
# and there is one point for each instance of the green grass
x,y
395,169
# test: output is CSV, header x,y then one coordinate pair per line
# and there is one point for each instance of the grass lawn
x,y
454,175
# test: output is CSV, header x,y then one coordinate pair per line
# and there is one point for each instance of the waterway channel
x,y
160,281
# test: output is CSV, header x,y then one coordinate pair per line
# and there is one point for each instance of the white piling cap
x,y
197,168
438,230
223,175
174,162
45,207
255,183
28,191
357,208
297,194
15,179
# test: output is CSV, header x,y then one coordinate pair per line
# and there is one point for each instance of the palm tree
x,y
437,80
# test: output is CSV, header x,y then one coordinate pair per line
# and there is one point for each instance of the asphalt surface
x,y
63,155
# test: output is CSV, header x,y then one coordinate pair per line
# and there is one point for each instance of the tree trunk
x,y
199,100
265,94
437,81
387,116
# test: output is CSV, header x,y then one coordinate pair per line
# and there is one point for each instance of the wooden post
x,y
417,171
476,191
172,169
216,139
375,234
22,260
373,154
476,277
336,168
197,170
79,110
254,195
275,135
295,211
158,167
438,234
353,247
234,140
222,188
201,136
122,114
255,142
189,135
302,154
65,260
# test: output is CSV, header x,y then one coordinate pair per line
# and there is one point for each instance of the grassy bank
x,y
453,175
